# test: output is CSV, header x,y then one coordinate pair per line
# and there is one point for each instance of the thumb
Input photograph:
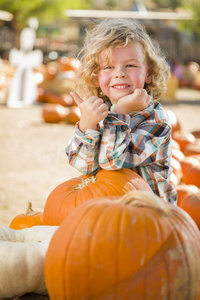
x,y
76,98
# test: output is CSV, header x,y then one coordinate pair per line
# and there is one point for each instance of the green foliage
x,y
44,10
190,5
162,4
194,25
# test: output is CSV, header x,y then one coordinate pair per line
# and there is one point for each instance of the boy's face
x,y
124,71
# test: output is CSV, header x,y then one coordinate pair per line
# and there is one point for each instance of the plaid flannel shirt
x,y
140,141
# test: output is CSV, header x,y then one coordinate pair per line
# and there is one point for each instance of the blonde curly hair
x,y
110,34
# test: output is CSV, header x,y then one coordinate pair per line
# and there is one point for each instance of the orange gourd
x,y
69,194
191,204
29,219
137,247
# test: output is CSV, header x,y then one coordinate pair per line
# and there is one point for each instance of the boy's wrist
x,y
116,109
84,127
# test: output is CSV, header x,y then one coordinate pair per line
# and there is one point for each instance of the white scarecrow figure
x,y
23,88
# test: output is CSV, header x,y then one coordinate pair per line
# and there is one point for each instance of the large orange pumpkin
x,y
69,194
139,247
29,219
191,204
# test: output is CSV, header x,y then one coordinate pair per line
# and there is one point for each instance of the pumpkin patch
x,y
111,249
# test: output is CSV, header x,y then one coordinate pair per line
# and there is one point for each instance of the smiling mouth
x,y
121,86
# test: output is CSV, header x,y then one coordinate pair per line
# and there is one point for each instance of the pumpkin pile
x,y
113,238
53,92
186,167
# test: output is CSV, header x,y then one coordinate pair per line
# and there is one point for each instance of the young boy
x,y
122,125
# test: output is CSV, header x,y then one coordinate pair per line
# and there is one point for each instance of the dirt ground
x,y
32,153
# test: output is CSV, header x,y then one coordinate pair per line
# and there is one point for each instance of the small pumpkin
x,y
22,254
175,144
191,204
177,169
175,122
183,138
178,154
69,194
192,176
135,247
54,113
174,180
69,64
73,115
188,163
51,97
192,149
184,190
28,219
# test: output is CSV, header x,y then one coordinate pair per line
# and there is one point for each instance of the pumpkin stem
x,y
145,199
30,211
85,182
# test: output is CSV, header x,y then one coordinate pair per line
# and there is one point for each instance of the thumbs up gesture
x,y
93,110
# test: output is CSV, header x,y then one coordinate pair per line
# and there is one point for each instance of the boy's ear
x,y
148,77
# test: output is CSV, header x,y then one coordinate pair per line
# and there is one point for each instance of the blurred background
x,y
60,29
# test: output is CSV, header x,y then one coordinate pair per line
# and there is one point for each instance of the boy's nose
x,y
120,73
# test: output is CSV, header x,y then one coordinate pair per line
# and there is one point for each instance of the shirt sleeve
x,y
131,141
82,150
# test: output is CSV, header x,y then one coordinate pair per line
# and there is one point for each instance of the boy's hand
x,y
93,110
136,101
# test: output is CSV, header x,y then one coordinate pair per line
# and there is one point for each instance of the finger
x,y
138,92
76,98
104,107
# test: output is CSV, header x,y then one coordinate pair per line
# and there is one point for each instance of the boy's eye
x,y
107,67
130,66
